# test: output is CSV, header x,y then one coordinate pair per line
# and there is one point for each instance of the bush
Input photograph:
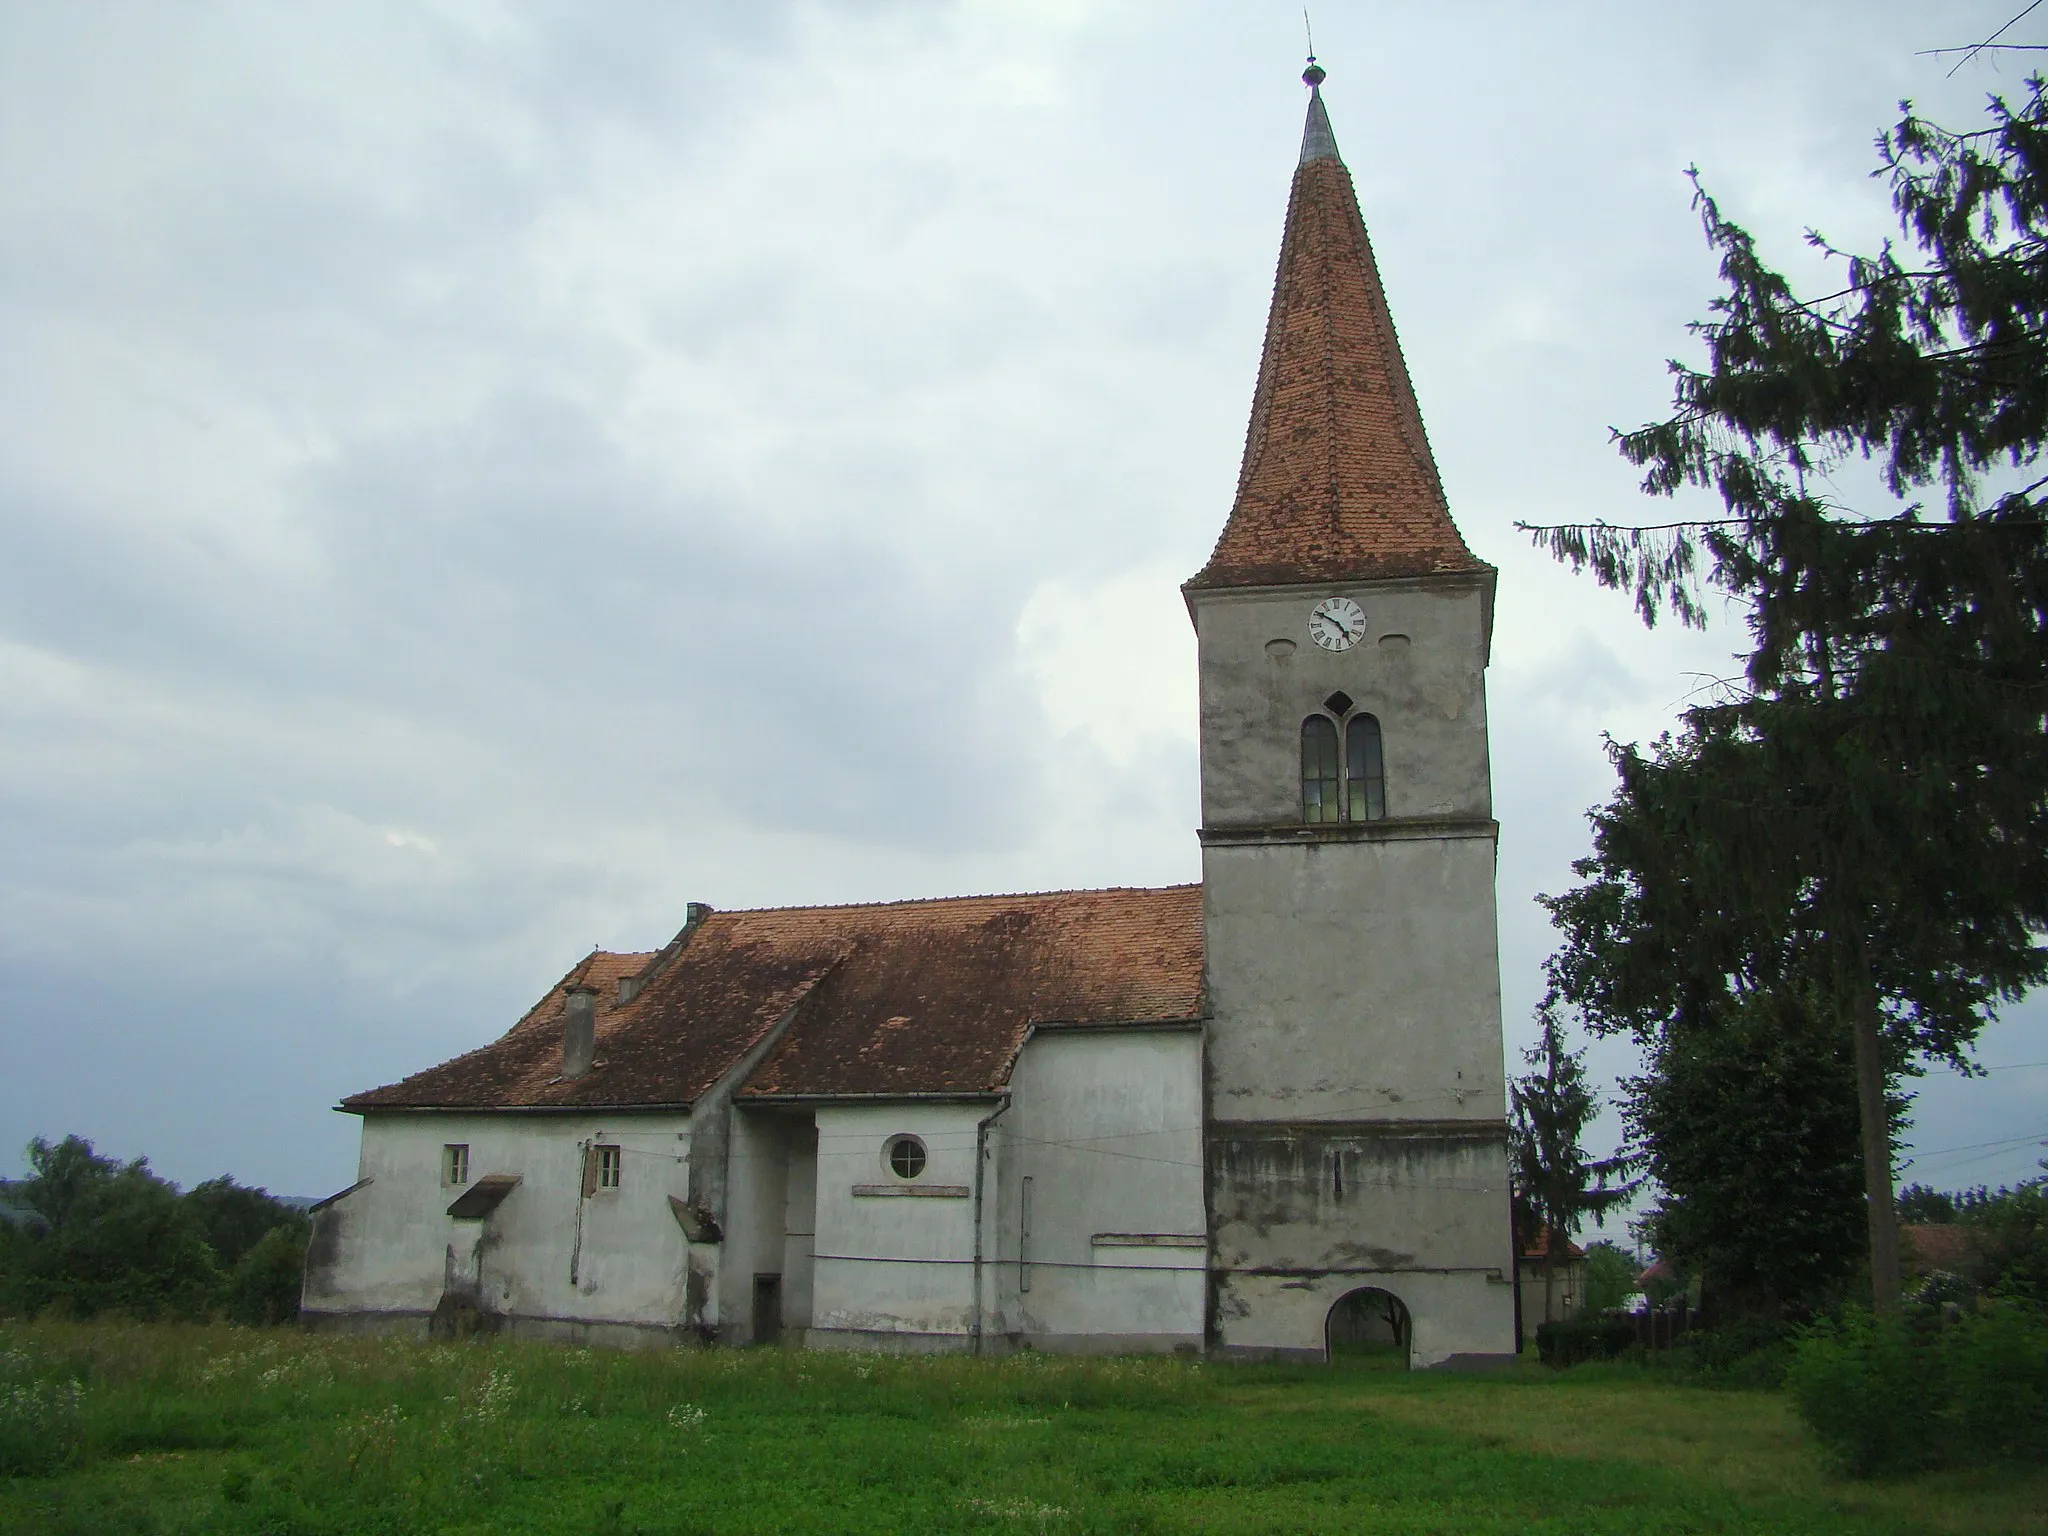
x,y
103,1237
1742,1352
1892,1397
265,1285
38,1417
1997,1370
1579,1339
1868,1391
1610,1277
88,1234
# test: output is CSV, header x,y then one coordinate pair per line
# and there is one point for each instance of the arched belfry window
x,y
1347,782
1321,779
1365,774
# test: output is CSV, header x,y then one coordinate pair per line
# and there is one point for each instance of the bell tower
x,y
1356,1103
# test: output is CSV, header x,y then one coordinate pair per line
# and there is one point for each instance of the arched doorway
x,y
1369,1327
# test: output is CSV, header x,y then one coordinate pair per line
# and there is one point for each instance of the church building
x,y
1258,1117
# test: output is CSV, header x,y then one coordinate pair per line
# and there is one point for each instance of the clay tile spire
x,y
1338,482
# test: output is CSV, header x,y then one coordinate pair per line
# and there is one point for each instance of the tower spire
x,y
1338,482
1317,142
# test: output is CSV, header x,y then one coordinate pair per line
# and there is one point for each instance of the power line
x,y
2007,1141
1994,37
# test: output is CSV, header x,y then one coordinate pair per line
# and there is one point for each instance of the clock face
x,y
1337,624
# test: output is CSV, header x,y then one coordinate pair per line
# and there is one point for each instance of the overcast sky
x,y
475,477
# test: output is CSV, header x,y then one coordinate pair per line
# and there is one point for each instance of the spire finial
x,y
1317,142
1315,74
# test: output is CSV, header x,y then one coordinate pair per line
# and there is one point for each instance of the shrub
x,y
265,1285
1868,1392
38,1418
233,1218
1741,1352
1610,1277
106,1237
1997,1370
1893,1397
1584,1338
88,1234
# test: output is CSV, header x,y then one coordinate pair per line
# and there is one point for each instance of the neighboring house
x,y
1930,1248
1564,1296
1245,1116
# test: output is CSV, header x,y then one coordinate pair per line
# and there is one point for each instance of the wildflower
x,y
493,1398
687,1417
1016,1509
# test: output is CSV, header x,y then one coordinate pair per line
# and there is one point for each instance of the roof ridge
x,y
937,901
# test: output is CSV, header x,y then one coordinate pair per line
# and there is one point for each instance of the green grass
x,y
174,1430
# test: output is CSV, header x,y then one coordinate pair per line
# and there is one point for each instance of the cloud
x,y
475,477
1113,663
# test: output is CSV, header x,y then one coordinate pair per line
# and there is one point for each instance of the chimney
x,y
579,1030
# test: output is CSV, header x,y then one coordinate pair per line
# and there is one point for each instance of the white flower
x,y
492,1398
1016,1509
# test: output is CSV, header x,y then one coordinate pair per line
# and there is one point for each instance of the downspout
x,y
1515,1269
980,1177
582,1195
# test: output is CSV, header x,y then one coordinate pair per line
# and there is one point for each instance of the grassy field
x,y
167,1429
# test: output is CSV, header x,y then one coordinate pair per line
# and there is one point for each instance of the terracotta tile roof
x,y
1929,1247
900,998
937,995
1338,482
1540,1248
699,1015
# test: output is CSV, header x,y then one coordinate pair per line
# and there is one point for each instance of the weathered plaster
x,y
1420,670
389,1249
1107,1126
1355,1079
893,1271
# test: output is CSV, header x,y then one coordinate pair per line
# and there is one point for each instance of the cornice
x,y
1405,829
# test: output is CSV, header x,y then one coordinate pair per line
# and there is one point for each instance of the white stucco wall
x,y
383,1251
1107,1127
1420,670
1357,1090
757,1194
799,1225
894,1270
1354,980
1454,1317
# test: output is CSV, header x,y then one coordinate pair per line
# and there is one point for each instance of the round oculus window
x,y
905,1156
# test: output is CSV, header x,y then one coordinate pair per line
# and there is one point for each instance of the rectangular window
x,y
455,1164
608,1167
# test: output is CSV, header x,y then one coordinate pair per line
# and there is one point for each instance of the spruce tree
x,y
1556,1185
1864,817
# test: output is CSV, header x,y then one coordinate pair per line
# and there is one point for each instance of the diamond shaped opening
x,y
1338,703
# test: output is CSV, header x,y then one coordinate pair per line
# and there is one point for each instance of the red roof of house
x,y
1539,1247
902,998
1338,482
1930,1247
